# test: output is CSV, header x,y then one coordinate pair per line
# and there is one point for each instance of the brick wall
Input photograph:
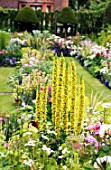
x,y
9,3
59,4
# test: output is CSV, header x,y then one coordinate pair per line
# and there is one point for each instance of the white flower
x,y
51,132
65,167
1,154
99,161
30,143
60,157
60,148
45,137
72,53
64,151
108,158
34,101
102,130
106,105
30,162
92,56
28,133
45,148
104,70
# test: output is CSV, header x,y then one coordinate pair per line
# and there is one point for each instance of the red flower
x,y
41,88
17,100
33,123
98,54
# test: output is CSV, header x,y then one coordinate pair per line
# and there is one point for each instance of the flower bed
x,y
54,125
97,60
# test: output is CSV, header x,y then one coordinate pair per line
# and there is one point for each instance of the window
x,y
48,9
36,7
23,5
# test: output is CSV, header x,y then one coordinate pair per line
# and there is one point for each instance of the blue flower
x,y
11,62
7,59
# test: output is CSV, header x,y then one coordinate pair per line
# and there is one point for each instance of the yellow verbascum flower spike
x,y
81,107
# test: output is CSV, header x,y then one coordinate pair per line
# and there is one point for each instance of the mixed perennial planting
x,y
53,126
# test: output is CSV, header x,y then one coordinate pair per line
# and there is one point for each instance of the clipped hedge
x,y
88,21
27,15
67,16
26,19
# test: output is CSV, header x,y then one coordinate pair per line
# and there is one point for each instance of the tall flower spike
x,y
65,103
81,107
59,97
38,105
73,97
54,89
40,115
44,106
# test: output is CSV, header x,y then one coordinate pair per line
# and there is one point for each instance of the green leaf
x,y
109,84
106,148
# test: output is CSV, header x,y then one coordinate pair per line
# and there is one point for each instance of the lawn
x,y
5,72
91,83
6,100
6,104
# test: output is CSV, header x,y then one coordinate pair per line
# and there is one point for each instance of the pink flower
x,y
41,88
90,139
106,56
50,88
60,43
97,128
21,68
90,127
76,146
97,146
109,132
63,46
2,119
6,144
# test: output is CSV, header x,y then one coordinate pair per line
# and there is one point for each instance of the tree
x,y
67,18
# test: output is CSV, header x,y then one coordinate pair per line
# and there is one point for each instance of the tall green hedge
x,y
88,21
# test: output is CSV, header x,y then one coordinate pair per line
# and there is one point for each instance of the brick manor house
x,y
44,5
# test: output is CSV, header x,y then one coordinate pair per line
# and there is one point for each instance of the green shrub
x,y
4,39
27,15
67,16
26,19
107,14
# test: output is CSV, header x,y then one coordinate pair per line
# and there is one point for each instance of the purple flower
x,y
106,82
7,59
13,58
50,88
11,62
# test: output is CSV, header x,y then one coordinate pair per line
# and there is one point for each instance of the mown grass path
x,y
91,83
6,99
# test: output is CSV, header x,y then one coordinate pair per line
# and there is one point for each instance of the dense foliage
x,y
107,14
27,19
